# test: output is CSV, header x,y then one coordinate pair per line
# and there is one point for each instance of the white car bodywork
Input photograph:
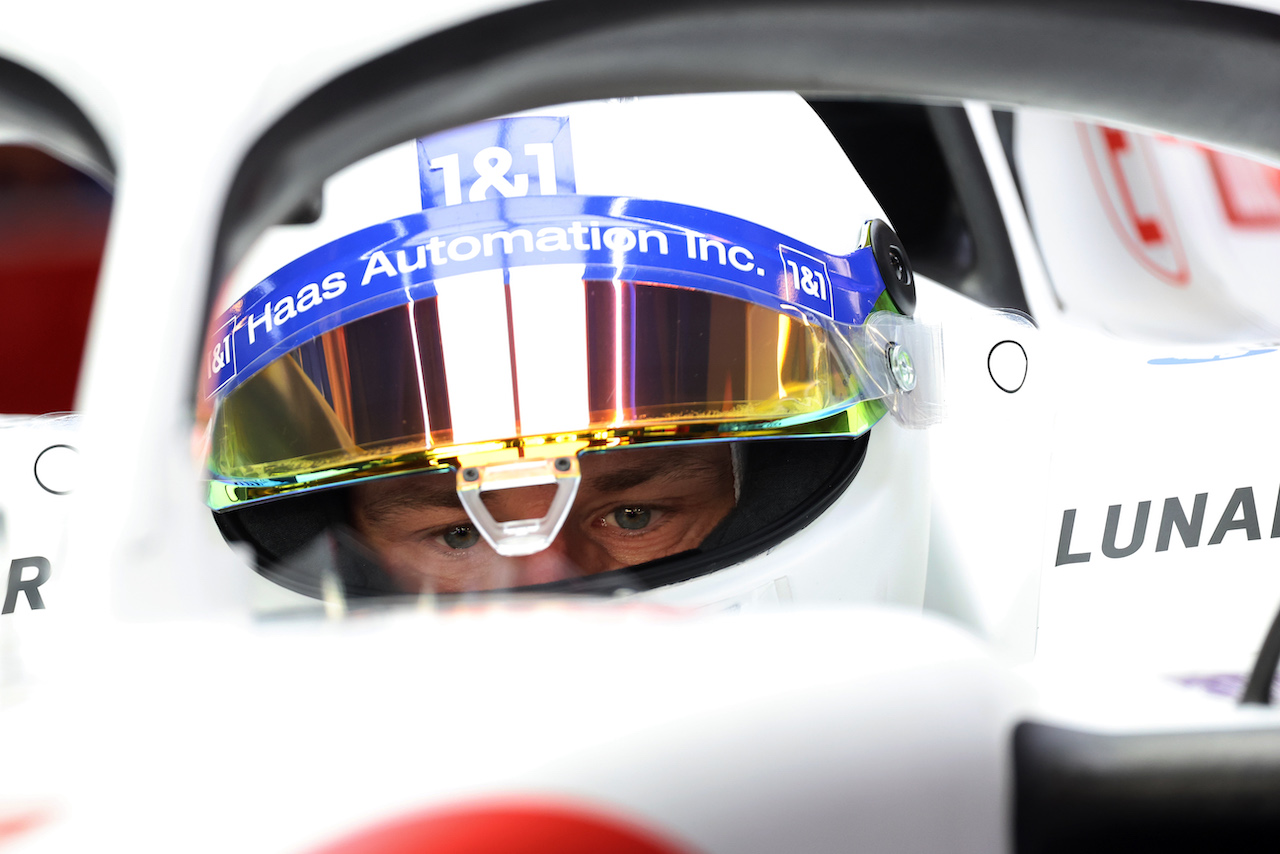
x,y
146,708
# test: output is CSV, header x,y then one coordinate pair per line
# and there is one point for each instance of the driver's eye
x,y
461,537
631,518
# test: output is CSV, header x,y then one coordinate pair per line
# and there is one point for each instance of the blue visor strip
x,y
399,261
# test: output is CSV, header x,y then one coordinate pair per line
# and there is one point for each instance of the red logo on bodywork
x,y
509,827
1132,194
15,825
1250,190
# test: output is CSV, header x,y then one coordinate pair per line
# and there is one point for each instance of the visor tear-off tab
x,y
520,537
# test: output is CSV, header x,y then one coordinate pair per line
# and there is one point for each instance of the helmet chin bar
x,y
521,536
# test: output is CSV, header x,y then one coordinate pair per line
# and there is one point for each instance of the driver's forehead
x,y
605,472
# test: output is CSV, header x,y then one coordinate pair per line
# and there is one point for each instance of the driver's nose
x,y
552,563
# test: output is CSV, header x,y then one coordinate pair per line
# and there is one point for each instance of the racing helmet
x,y
507,355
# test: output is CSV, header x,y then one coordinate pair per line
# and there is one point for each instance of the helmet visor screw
x,y
563,464
471,474
901,366
899,266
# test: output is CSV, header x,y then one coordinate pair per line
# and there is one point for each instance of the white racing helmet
x,y
634,345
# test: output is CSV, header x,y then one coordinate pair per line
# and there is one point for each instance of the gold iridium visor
x,y
525,365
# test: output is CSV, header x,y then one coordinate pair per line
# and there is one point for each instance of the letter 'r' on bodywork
x,y
29,586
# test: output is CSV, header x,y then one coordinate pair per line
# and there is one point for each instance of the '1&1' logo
x,y
808,283
501,158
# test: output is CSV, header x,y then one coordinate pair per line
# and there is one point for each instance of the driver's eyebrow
x,y
416,497
675,465
410,499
